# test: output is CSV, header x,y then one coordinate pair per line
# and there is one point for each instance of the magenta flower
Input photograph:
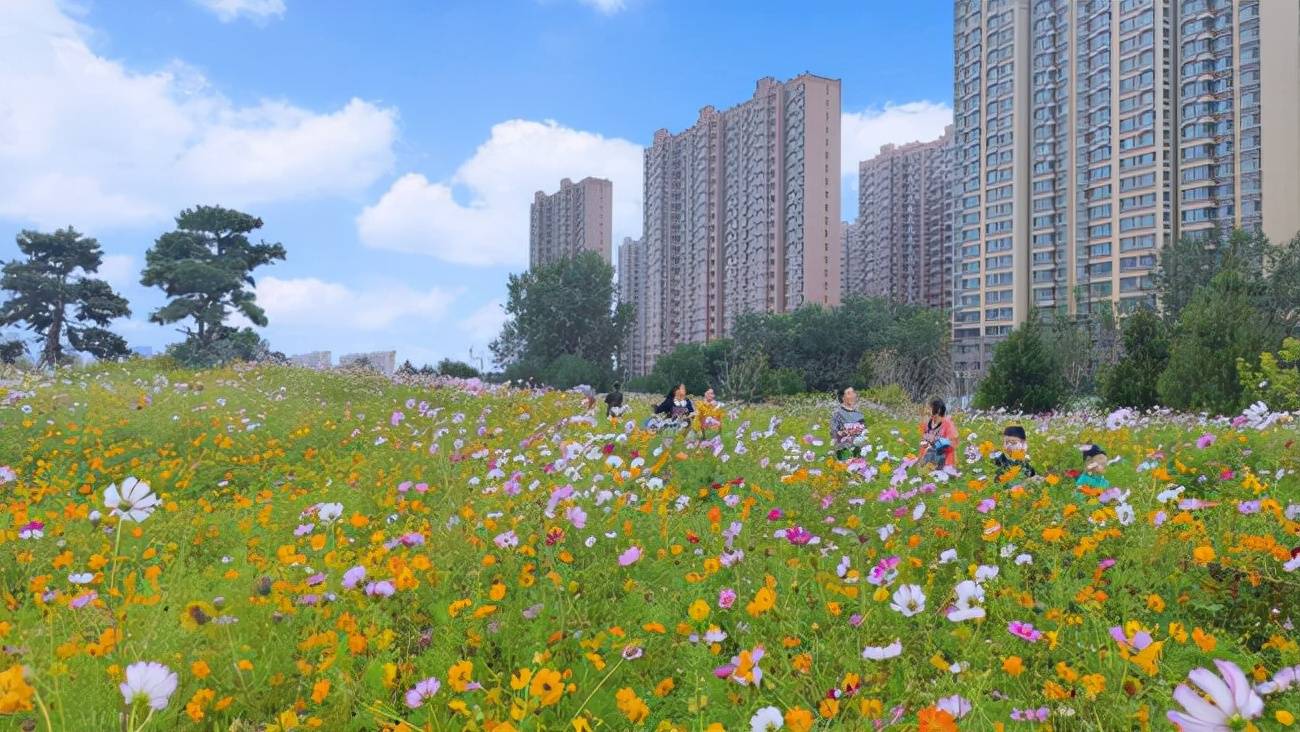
x,y
798,536
986,505
726,598
1205,441
775,514
1024,630
629,557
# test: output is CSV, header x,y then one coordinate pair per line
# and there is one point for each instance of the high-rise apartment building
x,y
631,289
853,260
742,213
902,248
1089,133
578,217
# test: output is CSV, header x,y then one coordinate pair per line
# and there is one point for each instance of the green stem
x,y
593,691
117,542
45,712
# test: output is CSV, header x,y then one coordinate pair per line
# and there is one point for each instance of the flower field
x,y
278,549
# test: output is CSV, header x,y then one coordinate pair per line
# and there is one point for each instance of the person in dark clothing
x,y
676,407
1013,455
614,401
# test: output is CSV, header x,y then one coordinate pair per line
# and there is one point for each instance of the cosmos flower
x,y
766,719
134,501
630,556
881,653
908,600
149,682
1231,700
416,695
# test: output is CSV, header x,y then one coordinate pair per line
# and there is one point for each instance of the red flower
x,y
1072,473
692,537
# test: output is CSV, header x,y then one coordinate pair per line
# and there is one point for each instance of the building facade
x,y
631,289
742,214
319,360
903,246
578,217
385,362
1090,133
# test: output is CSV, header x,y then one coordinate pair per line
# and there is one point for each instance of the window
x,y
1002,261
1099,250
1134,243
1128,223
996,314
996,279
1143,261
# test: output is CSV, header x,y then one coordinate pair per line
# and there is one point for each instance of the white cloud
x,y
86,141
329,306
862,133
484,324
119,270
608,7
491,227
257,10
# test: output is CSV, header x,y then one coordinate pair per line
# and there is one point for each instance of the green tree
x,y
54,296
1024,375
205,268
1131,381
565,308
569,371
11,350
457,369
1276,379
1218,326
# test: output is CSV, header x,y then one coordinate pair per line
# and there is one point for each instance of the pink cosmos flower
x,y
629,557
798,536
416,696
382,588
1232,700
83,600
775,514
726,598
353,577
986,505
1024,630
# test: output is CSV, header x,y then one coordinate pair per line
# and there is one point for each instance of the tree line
x,y
1224,337
204,268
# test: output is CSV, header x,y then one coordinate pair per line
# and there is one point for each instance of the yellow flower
x,y
200,669
1284,718
829,708
763,601
631,705
15,694
699,610
1203,554
547,686
664,687
1093,684
320,690
1156,603
458,676
519,680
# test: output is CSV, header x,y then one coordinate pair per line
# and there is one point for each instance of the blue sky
x,y
393,147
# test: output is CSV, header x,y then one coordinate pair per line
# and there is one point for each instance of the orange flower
x,y
934,719
1203,554
15,693
799,719
1013,665
1204,641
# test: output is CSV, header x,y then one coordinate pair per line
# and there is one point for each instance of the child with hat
x,y
1012,461
1092,481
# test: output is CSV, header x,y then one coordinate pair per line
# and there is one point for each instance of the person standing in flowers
x,y
847,423
676,410
614,401
939,438
1012,461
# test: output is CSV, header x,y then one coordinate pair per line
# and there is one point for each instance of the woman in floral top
x,y
847,423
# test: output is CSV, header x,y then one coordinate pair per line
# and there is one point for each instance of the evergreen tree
x,y
205,268
1024,375
1131,382
54,296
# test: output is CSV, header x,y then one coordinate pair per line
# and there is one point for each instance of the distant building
x,y
741,215
901,249
578,217
631,289
385,362
318,360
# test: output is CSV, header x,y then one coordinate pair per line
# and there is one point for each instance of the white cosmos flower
x,y
909,600
880,653
765,719
329,512
81,579
150,682
134,501
969,597
948,555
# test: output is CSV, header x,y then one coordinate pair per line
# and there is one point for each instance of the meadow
x,y
263,548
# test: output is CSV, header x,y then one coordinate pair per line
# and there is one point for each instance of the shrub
x,y
1276,380
1024,376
